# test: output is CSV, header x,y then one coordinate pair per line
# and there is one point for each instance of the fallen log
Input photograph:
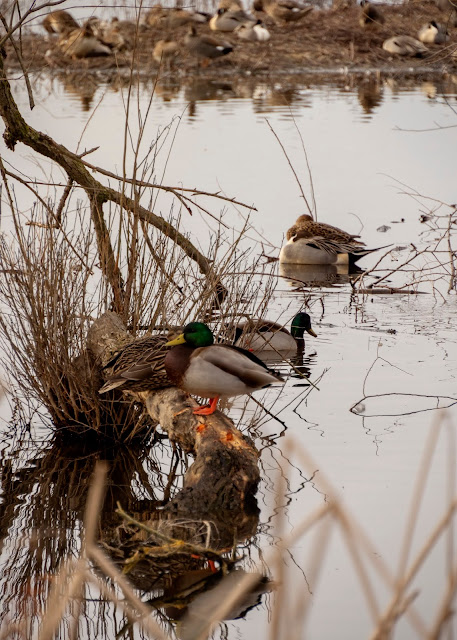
x,y
220,486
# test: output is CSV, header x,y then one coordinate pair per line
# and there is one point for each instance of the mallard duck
x,y
205,46
214,371
81,43
311,242
226,21
282,11
59,22
138,367
165,51
264,335
404,46
253,32
433,33
369,14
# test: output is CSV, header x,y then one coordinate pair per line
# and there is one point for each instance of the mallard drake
x,y
205,46
405,46
369,14
165,51
433,33
282,11
59,22
138,367
260,335
227,21
214,371
253,32
81,43
311,242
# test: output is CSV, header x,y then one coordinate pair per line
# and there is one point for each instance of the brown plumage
x,y
165,51
59,22
282,11
81,43
369,15
306,227
139,366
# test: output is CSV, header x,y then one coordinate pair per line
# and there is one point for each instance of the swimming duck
x,y
81,43
214,371
369,14
205,46
433,33
138,367
253,32
265,335
311,242
404,46
226,21
59,22
282,11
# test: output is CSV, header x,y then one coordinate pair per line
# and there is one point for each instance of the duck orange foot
x,y
208,409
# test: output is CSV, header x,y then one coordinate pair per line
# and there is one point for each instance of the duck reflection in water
x,y
309,275
370,94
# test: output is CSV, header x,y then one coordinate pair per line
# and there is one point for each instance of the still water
x,y
380,155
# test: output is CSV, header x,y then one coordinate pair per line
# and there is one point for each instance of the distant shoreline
x,y
327,42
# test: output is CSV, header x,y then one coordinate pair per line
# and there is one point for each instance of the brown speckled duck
x,y
310,242
138,367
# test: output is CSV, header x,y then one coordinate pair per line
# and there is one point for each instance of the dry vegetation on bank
x,y
327,39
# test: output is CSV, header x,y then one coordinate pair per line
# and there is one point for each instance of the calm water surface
x,y
369,148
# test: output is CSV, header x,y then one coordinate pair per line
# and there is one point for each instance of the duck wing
x,y
238,363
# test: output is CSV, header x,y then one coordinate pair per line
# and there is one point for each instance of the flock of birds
x,y
198,366
101,38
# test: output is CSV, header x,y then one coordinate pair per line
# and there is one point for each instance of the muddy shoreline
x,y
327,42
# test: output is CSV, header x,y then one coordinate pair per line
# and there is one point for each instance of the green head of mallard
x,y
195,334
300,324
